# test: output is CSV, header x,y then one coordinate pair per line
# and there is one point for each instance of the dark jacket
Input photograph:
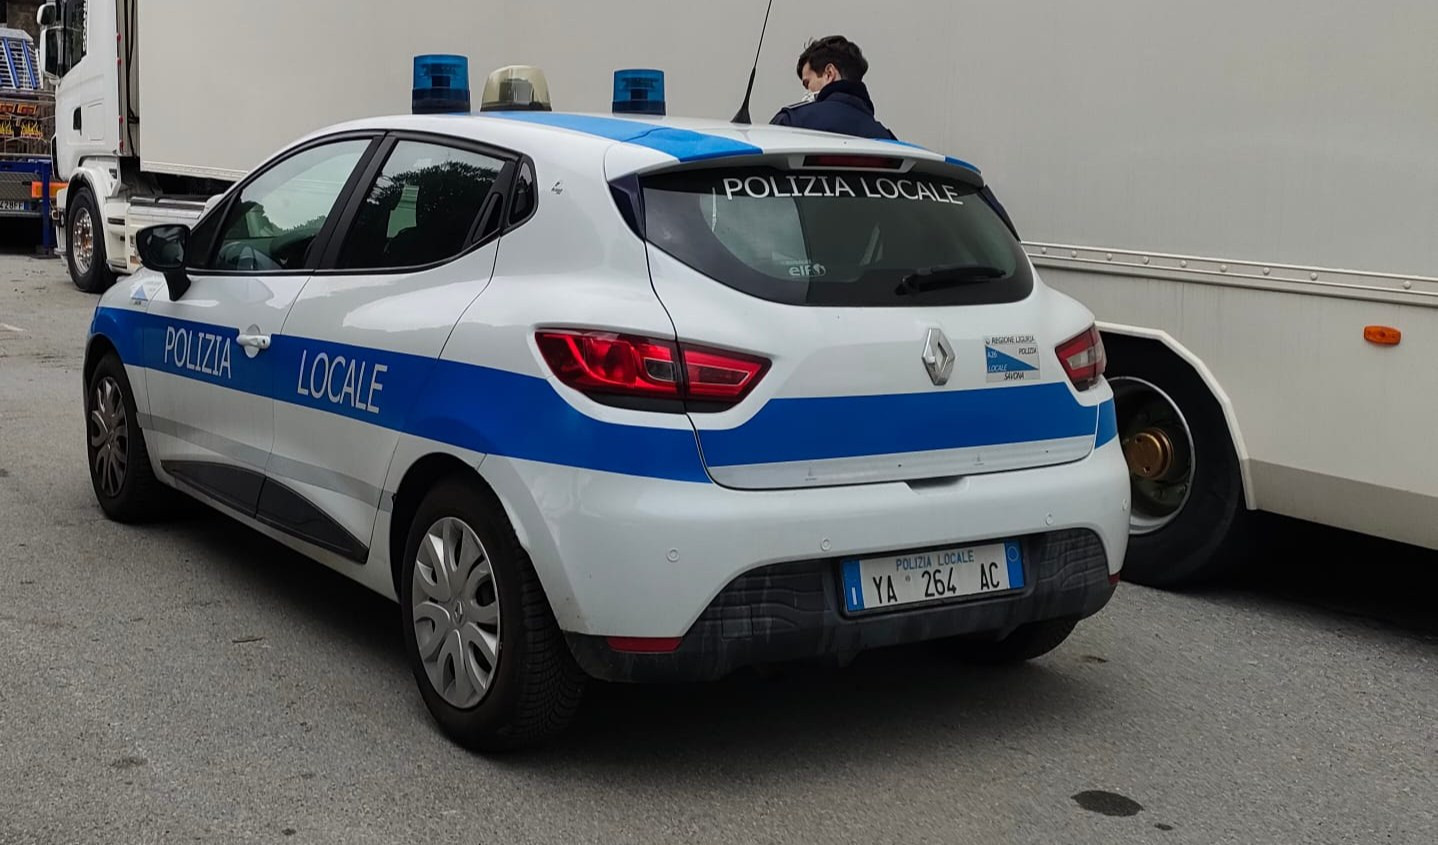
x,y
844,107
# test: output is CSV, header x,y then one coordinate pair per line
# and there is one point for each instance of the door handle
x,y
75,120
254,341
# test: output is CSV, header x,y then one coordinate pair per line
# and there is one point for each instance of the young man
x,y
832,70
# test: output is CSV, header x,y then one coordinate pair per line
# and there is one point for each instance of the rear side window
x,y
422,207
837,238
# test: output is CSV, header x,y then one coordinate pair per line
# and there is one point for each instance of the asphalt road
x,y
195,682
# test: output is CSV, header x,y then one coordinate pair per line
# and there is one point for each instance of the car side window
x,y
524,195
272,225
421,208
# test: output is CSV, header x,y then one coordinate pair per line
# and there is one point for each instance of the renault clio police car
x,y
634,399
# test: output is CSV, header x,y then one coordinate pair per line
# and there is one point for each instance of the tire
x,y
84,225
1208,535
1025,643
534,686
120,472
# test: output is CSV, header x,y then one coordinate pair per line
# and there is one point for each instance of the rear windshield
x,y
837,238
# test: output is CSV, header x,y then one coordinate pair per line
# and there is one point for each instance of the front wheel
x,y
85,244
1188,519
120,471
489,658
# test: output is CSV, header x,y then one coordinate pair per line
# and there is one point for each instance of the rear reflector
x,y
645,645
594,362
858,161
1114,578
1083,358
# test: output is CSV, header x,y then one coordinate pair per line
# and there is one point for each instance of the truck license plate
x,y
878,583
12,205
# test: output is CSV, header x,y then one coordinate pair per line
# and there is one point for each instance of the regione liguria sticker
x,y
1012,357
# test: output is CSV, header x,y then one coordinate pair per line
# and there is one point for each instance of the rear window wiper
x,y
947,275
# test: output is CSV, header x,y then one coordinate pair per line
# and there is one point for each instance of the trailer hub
x,y
1149,454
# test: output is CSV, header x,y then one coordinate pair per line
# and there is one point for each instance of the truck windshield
x,y
837,238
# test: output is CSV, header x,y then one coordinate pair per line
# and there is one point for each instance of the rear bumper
x,y
792,612
621,556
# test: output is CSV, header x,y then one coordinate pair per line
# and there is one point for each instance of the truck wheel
x,y
491,663
85,244
1188,520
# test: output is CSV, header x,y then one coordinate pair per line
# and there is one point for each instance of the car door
x,y
413,250
210,376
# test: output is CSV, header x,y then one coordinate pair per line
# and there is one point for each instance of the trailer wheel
x,y
85,244
1188,520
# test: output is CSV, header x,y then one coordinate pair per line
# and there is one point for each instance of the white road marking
x,y
9,328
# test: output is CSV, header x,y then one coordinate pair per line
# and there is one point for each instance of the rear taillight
x,y
608,364
595,362
1083,358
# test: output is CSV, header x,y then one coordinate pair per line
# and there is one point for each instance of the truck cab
x,y
89,50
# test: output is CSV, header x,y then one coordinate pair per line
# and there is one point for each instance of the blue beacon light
x,y
639,91
441,84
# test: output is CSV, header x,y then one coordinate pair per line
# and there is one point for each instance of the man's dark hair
x,y
838,51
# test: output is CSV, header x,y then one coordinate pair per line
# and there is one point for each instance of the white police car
x,y
631,399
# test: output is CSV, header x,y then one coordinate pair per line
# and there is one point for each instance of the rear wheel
x,y
85,244
490,660
1025,643
1188,520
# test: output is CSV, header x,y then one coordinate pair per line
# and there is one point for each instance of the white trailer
x,y
1244,193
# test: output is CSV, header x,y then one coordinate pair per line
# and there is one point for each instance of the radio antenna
x,y
742,116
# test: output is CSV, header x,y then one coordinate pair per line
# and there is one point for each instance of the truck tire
x,y
85,244
491,663
1189,522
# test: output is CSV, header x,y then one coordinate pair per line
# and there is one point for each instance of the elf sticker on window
x,y
1012,358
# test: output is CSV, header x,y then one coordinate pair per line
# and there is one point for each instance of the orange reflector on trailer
x,y
1382,335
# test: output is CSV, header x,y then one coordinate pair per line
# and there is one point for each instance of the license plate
x,y
879,583
12,205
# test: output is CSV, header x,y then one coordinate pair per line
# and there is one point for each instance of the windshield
x,y
837,238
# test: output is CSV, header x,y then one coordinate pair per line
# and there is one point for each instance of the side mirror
x,y
46,15
162,248
50,46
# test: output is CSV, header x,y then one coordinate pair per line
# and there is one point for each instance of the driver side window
x,y
272,225
72,26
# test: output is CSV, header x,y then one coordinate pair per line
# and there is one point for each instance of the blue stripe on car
x,y
683,144
855,426
1107,424
498,412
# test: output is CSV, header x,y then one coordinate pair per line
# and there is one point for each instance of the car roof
x,y
649,142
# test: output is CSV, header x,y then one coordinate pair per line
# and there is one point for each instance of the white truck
x,y
1244,193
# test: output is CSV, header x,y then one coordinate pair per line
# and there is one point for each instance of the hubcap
x,y
82,235
1159,449
109,437
456,612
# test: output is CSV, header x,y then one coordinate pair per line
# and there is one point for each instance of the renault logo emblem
x,y
938,357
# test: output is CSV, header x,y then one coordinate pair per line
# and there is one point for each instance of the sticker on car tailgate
x,y
1012,357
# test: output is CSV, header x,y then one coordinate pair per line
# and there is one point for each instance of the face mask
x,y
810,96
